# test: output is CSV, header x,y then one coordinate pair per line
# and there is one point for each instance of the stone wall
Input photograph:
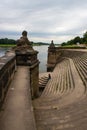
x,y
7,69
54,55
8,65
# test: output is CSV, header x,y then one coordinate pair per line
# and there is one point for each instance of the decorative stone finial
x,y
23,43
52,44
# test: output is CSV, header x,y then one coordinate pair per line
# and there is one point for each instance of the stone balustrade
x,y
7,69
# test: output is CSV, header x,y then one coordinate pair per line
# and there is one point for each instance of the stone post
x,y
52,58
34,75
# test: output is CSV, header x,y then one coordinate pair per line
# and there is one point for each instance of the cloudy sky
x,y
44,20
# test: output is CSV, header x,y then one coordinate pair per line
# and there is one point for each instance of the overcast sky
x,y
44,20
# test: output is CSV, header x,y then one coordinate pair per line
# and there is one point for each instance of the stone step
x,y
63,104
82,73
54,82
44,100
76,89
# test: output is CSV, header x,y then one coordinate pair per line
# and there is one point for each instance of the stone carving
x,y
25,54
52,44
23,44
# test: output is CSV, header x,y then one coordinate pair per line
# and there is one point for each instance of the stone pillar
x,y
34,75
27,56
52,58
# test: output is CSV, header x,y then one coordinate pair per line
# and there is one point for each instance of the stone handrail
x,y
7,69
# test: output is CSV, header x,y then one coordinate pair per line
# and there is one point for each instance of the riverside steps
x,y
63,103
59,100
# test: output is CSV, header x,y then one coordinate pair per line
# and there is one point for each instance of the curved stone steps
x,y
43,81
82,72
67,111
55,86
64,100
61,70
55,83
42,84
44,74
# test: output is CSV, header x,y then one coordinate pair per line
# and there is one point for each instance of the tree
x,y
85,38
7,41
77,40
63,44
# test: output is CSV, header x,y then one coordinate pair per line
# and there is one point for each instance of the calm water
x,y
42,56
2,51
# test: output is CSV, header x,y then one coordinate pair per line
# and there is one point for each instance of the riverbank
x,y
7,45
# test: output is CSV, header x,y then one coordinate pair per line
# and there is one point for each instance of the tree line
x,y
80,40
7,41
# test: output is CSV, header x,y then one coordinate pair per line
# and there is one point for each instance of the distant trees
x,y
76,40
7,41
39,43
85,38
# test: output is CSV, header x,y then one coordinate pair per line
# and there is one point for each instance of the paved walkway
x,y
17,111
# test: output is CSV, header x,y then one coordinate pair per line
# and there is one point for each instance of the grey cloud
x,y
43,19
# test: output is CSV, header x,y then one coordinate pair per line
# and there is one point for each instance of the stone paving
x,y
17,111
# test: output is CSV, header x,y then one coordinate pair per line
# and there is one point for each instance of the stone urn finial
x,y
23,43
52,44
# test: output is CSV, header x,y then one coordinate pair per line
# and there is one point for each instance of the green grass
x,y
73,47
7,45
13,45
70,46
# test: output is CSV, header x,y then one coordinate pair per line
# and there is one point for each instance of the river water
x,y
2,51
42,56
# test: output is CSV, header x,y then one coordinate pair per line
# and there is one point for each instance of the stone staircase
x,y
63,103
43,80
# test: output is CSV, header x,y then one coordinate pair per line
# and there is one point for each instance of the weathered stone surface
x,y
17,110
7,69
25,54
52,45
52,57
63,103
34,80
23,44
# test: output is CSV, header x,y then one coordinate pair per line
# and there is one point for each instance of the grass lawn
x,y
7,45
